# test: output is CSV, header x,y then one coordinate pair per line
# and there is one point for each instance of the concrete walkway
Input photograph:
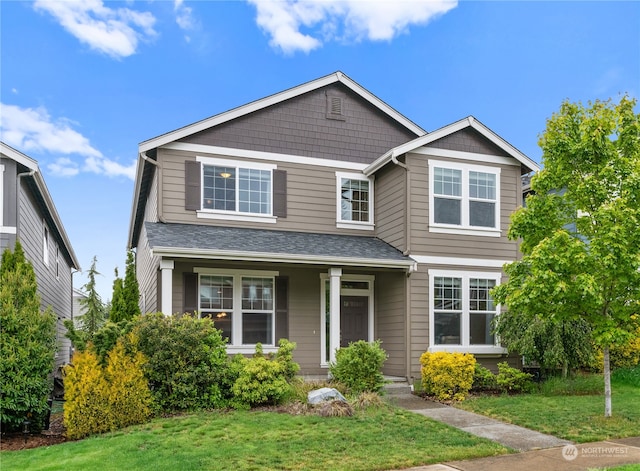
x,y
538,451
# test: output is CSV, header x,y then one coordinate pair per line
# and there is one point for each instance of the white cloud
x,y
115,32
33,130
341,20
184,17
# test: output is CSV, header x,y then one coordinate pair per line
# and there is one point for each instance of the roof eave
x,y
181,252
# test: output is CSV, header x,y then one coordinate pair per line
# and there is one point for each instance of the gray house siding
x,y
55,291
300,126
9,207
391,320
146,264
311,196
424,242
468,140
390,206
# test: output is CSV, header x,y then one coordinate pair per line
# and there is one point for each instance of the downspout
x,y
144,157
406,252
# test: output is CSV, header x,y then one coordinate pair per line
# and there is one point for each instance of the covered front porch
x,y
321,300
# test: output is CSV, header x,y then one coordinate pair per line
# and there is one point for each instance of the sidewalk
x,y
538,451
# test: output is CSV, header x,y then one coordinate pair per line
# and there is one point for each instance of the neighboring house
x,y
78,309
322,215
27,213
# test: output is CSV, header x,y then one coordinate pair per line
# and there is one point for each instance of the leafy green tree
x,y
27,344
579,230
94,317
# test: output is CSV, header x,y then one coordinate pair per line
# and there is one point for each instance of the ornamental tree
x,y
580,228
27,344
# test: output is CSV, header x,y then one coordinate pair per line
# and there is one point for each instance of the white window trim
x,y
45,243
342,224
204,213
324,277
464,347
464,228
236,345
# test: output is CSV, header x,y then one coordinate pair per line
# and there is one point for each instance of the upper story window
x,y
464,199
45,245
228,189
354,201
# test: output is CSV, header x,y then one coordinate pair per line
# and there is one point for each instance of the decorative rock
x,y
324,394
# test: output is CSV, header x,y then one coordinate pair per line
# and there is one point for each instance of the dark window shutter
x,y
192,185
190,293
280,193
282,308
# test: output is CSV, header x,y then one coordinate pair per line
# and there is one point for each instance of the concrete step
x,y
397,387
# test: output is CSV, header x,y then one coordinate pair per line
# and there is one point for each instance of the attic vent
x,y
335,107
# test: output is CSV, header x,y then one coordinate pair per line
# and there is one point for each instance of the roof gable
x,y
337,77
41,192
308,125
464,135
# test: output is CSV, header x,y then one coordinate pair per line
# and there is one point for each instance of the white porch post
x,y
334,312
166,272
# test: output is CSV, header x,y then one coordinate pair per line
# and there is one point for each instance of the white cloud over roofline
x,y
284,21
33,130
115,32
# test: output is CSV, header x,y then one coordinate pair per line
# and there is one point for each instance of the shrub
x,y
359,366
483,379
448,376
100,399
366,400
625,355
86,408
265,380
334,408
187,361
27,345
512,379
129,395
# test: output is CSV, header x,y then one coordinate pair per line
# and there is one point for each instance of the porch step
x,y
396,388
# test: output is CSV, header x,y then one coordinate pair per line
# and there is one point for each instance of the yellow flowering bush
x,y
100,399
448,376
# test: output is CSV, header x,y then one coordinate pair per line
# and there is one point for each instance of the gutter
x,y
407,204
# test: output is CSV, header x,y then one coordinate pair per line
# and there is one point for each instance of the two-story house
x,y
27,214
322,215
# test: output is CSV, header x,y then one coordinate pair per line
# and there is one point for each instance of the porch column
x,y
334,312
166,273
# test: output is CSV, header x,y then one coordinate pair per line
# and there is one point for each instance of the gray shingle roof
x,y
214,240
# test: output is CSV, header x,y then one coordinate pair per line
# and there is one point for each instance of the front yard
x,y
379,439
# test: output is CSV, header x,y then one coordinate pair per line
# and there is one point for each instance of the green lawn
x,y
579,418
380,439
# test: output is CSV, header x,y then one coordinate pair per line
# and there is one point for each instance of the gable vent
x,y
335,107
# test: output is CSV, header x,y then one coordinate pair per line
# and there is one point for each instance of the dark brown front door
x,y
354,319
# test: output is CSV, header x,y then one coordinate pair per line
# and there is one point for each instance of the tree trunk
x,y
565,370
607,383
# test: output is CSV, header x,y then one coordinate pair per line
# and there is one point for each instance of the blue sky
x,y
82,83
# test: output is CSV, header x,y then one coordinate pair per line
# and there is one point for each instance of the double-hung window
x,y
462,311
354,201
241,304
237,189
464,199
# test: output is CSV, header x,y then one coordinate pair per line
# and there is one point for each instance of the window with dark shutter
x,y
282,308
280,193
192,178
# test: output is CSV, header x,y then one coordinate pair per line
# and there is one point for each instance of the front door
x,y
354,319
